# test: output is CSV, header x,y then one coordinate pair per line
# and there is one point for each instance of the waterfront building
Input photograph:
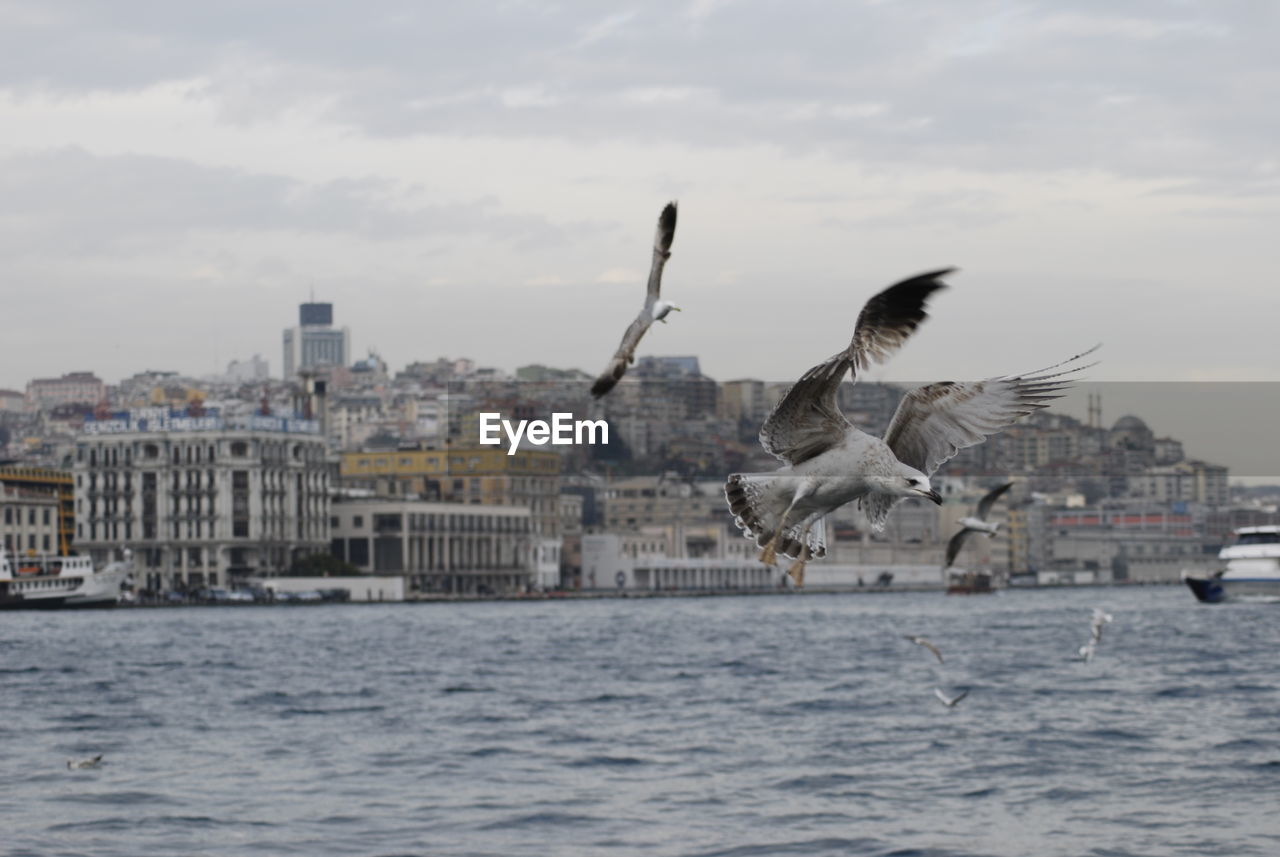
x,y
1126,543
74,388
606,566
202,500
445,548
315,341
483,475
40,486
28,520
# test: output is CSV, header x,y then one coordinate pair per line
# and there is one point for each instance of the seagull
x,y
654,308
949,701
1100,618
976,524
921,641
827,462
79,764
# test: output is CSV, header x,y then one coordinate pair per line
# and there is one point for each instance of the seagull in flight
x,y
1100,619
80,764
654,308
977,524
921,641
827,462
949,701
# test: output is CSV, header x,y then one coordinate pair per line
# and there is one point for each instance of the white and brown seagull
x,y
655,309
828,462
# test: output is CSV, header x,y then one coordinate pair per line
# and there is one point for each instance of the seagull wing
x,y
985,504
931,647
921,641
626,353
959,697
953,546
662,241
807,421
936,421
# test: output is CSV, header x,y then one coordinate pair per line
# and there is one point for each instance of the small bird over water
x,y
79,764
921,641
976,524
654,309
1096,624
949,701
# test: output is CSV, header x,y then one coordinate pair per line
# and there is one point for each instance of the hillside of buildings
x,y
220,480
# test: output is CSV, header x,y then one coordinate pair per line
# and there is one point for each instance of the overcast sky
x,y
481,179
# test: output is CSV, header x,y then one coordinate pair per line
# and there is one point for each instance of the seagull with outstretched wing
x,y
949,701
655,309
827,462
977,524
81,764
921,641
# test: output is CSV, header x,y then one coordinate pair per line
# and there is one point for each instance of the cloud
x,y
1137,88
74,202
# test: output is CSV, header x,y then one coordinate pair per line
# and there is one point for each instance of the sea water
x,y
753,725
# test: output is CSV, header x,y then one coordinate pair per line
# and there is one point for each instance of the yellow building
x,y
57,485
480,475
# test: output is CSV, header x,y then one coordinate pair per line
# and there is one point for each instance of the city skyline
x,y
476,181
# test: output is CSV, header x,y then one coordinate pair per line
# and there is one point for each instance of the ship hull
x,y
1218,590
96,590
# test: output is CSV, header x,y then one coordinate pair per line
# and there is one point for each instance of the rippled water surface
x,y
708,726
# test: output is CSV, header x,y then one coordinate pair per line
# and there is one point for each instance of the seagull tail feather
x,y
746,494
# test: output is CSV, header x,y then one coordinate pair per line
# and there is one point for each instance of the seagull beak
x,y
935,497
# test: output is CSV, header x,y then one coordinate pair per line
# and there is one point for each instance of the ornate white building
x,y
202,501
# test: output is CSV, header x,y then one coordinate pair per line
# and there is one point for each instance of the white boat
x,y
1251,573
38,581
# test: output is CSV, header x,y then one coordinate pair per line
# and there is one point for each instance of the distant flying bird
x,y
976,524
949,701
828,462
921,641
654,308
1099,620
80,764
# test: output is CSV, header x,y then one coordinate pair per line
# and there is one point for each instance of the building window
x,y
357,521
358,552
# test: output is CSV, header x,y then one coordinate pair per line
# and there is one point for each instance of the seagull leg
x,y
797,568
770,554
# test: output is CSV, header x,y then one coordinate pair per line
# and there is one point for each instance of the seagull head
x,y
915,484
661,310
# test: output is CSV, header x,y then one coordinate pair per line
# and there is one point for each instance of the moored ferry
x,y
39,581
1252,570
